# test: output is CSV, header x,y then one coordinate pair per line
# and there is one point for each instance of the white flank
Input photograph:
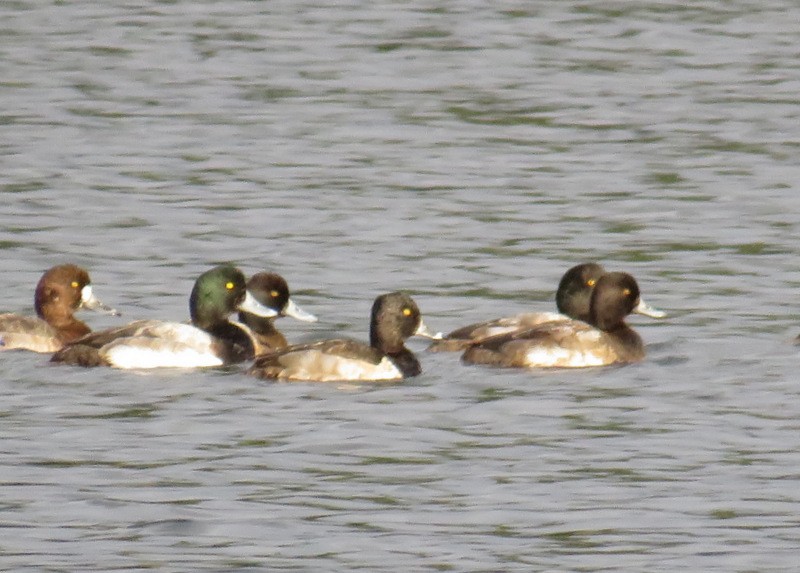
x,y
315,365
185,334
555,357
148,352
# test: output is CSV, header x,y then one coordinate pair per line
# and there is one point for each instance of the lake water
x,y
468,152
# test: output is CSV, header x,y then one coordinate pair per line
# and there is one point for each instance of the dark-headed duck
x,y
604,340
394,318
271,290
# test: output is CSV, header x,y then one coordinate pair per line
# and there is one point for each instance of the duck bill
x,y
294,311
251,305
647,310
423,331
88,300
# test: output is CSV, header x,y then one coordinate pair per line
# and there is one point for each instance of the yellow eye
x,y
626,292
229,285
406,311
591,282
75,284
274,293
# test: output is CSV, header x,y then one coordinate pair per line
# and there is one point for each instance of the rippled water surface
x,y
468,152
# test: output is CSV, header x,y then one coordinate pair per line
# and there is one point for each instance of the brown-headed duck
x,y
61,291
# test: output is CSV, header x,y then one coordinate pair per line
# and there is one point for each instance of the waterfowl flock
x,y
589,330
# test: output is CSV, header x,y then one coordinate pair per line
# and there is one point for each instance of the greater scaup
x,y
606,339
211,339
572,300
394,318
271,290
61,291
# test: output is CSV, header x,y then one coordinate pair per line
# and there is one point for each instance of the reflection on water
x,y
466,153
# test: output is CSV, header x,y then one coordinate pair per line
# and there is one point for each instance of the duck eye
x,y
626,292
229,285
75,284
406,311
591,282
274,293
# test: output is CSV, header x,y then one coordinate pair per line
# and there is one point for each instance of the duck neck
x,y
406,362
264,332
208,319
608,325
402,357
627,341
69,328
258,324
236,342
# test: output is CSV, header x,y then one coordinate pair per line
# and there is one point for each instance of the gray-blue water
x,y
468,152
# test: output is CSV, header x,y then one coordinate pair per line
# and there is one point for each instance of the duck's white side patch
x,y
179,332
142,352
322,367
584,348
556,357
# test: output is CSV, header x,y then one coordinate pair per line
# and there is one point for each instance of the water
x,y
468,152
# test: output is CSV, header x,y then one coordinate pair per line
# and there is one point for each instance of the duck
x,y
60,292
572,300
271,290
394,318
603,340
210,340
